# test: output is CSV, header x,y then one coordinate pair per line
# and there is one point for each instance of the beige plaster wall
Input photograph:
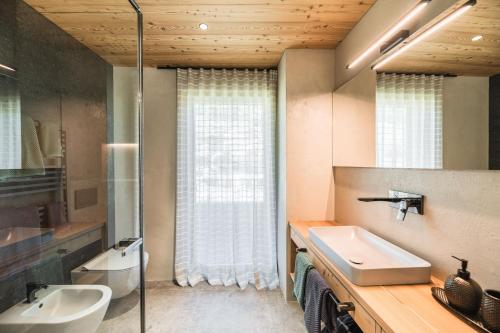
x,y
354,110
281,174
309,86
461,215
160,139
465,122
305,179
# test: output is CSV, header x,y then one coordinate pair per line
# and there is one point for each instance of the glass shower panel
x,y
69,167
124,237
53,184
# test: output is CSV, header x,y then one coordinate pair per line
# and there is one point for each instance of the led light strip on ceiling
x,y
407,18
461,10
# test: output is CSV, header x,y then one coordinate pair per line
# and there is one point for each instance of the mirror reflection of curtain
x,y
10,125
226,200
409,121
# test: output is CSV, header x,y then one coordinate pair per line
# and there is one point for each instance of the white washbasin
x,y
366,259
58,309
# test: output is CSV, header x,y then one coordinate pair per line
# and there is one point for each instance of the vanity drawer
x,y
362,318
338,289
297,239
360,315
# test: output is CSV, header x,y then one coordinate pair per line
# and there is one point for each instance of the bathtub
x,y
111,269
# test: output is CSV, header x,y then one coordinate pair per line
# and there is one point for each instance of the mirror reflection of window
x,y
409,121
10,125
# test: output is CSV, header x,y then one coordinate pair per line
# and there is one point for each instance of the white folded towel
x,y
50,140
31,153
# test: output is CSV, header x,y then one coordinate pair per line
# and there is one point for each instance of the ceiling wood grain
x,y
241,33
452,51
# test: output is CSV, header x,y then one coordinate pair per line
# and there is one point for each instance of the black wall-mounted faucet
x,y
408,202
31,289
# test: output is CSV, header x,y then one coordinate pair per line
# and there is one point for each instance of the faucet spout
x,y
31,289
403,209
408,202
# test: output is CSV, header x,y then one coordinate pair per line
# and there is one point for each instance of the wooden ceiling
x,y
241,33
452,51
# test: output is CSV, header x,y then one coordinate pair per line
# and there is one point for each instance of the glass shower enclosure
x,y
71,171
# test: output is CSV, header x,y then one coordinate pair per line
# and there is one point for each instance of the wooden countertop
x,y
74,229
398,308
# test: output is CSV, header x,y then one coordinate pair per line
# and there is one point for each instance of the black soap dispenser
x,y
463,293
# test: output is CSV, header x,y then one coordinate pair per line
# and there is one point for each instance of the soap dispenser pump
x,y
463,293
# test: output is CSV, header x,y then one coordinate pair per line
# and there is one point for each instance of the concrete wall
x,y
306,79
160,139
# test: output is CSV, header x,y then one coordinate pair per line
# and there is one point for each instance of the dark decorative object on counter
x,y
472,320
462,292
490,310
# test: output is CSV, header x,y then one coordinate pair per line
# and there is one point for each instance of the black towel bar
x,y
342,306
301,249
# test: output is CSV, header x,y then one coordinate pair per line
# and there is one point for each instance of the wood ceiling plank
x,y
147,6
190,40
238,29
118,24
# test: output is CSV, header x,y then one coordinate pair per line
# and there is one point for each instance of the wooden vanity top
x,y
397,308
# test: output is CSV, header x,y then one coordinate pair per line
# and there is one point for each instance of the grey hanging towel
x,y
302,266
316,292
345,324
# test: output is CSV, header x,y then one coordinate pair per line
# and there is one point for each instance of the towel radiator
x,y
342,306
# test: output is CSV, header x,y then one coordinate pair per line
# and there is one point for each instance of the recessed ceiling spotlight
x,y
476,38
203,26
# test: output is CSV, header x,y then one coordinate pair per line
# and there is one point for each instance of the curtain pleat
x,y
10,125
226,200
409,121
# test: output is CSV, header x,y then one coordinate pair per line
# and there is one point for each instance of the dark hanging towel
x,y
329,313
302,266
317,291
345,324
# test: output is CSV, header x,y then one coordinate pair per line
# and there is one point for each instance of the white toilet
x,y
120,273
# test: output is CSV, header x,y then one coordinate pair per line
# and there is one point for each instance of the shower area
x,y
70,171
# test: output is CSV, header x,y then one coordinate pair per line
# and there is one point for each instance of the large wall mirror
x,y
30,128
434,106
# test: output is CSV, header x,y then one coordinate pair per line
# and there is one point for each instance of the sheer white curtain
x,y
10,125
409,121
226,194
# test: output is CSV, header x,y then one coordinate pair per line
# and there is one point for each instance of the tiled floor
x,y
205,309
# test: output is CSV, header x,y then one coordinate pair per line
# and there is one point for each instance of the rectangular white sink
x,y
368,260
